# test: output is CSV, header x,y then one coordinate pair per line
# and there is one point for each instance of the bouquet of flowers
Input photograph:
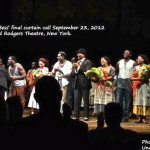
x,y
145,71
144,74
96,72
36,75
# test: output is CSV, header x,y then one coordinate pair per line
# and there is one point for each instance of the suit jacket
x,y
4,77
80,76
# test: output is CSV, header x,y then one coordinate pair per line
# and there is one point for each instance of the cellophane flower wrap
x,y
97,72
37,74
144,74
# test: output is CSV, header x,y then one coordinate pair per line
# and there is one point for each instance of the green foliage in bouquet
x,y
145,71
36,74
94,72
109,83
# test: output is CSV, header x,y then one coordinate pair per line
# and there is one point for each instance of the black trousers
x,y
2,92
79,93
71,94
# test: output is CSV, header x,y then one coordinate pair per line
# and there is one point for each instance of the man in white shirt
x,y
61,71
123,83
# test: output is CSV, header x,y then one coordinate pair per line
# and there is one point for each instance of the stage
x,y
138,127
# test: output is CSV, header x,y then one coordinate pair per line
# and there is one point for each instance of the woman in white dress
x,y
44,70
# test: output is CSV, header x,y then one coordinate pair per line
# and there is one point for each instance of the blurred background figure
x,y
80,124
3,111
30,82
114,136
66,111
100,120
4,79
1,62
15,109
71,86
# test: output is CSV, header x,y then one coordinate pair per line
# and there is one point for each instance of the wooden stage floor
x,y
138,127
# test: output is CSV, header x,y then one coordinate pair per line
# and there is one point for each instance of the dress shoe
x,y
75,118
133,116
139,120
86,119
144,120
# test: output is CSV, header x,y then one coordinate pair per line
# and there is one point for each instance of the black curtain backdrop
x,y
127,26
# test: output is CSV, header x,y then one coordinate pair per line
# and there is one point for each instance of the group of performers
x,y
128,83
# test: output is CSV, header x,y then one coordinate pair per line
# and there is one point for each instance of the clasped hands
x,y
76,65
13,77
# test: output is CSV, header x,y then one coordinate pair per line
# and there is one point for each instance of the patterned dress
x,y
141,100
103,93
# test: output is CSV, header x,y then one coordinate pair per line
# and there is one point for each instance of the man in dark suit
x,y
82,84
4,77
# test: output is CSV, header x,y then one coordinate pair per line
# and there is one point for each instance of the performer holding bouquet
x,y
141,88
30,81
37,74
103,77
